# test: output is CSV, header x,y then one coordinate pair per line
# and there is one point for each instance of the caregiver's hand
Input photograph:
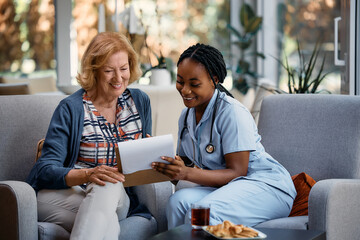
x,y
175,170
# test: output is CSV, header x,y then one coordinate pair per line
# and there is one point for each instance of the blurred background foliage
x,y
26,35
27,29
27,32
246,75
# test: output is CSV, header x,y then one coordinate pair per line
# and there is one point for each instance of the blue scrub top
x,y
234,130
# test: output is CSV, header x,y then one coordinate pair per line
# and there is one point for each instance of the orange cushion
x,y
303,184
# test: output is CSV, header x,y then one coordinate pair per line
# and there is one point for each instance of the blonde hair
x,y
101,47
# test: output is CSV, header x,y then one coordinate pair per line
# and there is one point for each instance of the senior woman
x,y
76,179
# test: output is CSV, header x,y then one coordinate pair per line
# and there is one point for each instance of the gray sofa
x,y
319,135
23,122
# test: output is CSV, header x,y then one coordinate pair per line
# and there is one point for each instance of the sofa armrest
x,y
155,196
18,211
334,207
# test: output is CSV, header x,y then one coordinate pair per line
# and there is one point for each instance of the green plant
x,y
300,79
162,63
250,26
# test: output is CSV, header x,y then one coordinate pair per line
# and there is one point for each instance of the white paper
x,y
139,154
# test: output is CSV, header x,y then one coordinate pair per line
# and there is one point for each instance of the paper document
x,y
138,155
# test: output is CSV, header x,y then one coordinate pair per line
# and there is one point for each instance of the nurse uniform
x,y
266,192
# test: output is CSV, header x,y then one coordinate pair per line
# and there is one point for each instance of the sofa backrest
x,y
166,106
24,120
318,134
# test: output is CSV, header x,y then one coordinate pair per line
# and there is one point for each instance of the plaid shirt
x,y
99,137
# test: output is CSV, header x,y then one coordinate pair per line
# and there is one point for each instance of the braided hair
x,y
211,59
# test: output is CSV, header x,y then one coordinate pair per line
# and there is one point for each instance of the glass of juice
x,y
200,215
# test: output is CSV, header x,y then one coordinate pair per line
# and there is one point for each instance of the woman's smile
x,y
116,85
188,98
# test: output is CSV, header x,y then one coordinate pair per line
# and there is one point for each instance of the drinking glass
x,y
200,215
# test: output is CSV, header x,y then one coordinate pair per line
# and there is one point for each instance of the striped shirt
x,y
99,137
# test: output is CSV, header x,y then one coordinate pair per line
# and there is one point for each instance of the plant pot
x,y
160,77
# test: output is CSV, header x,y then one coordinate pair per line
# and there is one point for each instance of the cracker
x,y
228,230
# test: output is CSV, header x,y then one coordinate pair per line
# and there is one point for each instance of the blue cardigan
x,y
62,142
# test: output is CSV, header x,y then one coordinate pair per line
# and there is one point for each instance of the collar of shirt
x,y
191,120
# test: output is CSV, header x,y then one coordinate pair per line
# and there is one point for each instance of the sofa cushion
x,y
303,184
298,222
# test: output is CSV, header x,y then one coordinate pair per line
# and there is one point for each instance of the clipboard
x,y
139,177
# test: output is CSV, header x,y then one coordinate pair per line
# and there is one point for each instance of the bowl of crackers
x,y
229,230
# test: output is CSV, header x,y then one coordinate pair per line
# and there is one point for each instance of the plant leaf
x,y
302,67
243,67
254,25
319,78
279,61
244,45
246,13
252,74
312,62
256,54
235,31
291,81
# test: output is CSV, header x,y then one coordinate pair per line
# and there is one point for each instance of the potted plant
x,y
302,79
163,72
250,26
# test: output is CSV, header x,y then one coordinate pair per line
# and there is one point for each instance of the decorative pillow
x,y
303,184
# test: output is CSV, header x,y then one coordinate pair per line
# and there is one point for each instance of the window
x,y
287,21
27,38
154,27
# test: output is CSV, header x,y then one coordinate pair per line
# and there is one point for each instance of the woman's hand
x,y
103,173
98,175
175,170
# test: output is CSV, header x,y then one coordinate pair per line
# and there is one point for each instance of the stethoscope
x,y
210,148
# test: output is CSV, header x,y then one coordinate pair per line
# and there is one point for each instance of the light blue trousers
x,y
241,202
93,213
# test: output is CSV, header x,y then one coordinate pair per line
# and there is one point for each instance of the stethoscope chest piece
x,y
210,148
